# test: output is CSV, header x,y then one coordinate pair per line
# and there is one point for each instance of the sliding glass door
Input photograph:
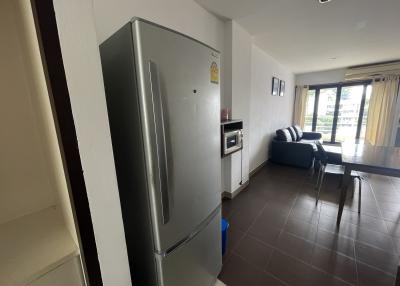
x,y
338,111
326,112
353,110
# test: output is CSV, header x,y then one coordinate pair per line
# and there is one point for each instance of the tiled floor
x,y
278,236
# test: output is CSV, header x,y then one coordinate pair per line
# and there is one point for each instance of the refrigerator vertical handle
x,y
159,123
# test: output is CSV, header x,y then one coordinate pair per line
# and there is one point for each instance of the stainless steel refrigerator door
x,y
197,262
180,108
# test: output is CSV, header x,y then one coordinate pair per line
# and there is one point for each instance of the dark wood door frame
x,y
46,27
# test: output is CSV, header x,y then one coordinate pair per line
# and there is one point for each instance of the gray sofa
x,y
294,147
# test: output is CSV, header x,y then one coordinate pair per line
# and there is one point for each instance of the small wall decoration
x,y
275,86
282,88
214,73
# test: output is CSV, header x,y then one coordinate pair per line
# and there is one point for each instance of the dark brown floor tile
x,y
308,191
254,252
382,260
242,219
249,201
294,272
237,272
274,215
335,264
276,207
376,239
285,199
345,229
301,229
305,215
296,247
278,185
335,242
266,233
331,210
366,221
368,276
306,204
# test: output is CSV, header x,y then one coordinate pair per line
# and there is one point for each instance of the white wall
x,y
226,96
226,100
249,71
185,16
241,89
267,113
237,59
81,58
322,77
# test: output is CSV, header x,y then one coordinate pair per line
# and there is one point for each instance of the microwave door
x,y
232,142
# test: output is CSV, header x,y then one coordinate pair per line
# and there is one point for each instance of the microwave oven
x,y
232,141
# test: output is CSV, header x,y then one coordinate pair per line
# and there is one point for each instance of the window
x,y
326,112
338,111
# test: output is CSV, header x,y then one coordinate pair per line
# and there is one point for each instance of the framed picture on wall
x,y
275,86
282,88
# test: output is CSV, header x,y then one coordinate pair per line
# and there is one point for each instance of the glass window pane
x,y
349,112
326,109
309,111
365,115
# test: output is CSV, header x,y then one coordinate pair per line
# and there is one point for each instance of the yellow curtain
x,y
381,112
300,104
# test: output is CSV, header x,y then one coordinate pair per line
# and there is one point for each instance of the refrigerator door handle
x,y
159,123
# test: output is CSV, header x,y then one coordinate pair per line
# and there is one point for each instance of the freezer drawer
x,y
197,262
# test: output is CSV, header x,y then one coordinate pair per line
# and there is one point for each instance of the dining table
x,y
367,158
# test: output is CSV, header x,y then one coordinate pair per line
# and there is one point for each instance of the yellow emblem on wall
x,y
214,73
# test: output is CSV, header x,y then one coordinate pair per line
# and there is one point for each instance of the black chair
x,y
324,167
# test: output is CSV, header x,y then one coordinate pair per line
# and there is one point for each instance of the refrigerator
x,y
163,102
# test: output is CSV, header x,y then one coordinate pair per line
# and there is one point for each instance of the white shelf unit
x,y
33,245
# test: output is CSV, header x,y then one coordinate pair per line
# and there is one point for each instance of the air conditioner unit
x,y
372,71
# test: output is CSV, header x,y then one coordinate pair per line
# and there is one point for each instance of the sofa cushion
x,y
284,135
292,133
298,131
313,143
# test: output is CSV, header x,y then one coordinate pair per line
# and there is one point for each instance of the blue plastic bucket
x,y
224,229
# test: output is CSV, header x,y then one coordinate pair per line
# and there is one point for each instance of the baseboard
x,y
229,195
257,169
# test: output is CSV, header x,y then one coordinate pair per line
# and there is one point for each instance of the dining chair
x,y
324,167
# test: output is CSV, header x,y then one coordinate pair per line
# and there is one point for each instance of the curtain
x,y
381,112
300,104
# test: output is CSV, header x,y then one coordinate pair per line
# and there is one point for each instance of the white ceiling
x,y
307,36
